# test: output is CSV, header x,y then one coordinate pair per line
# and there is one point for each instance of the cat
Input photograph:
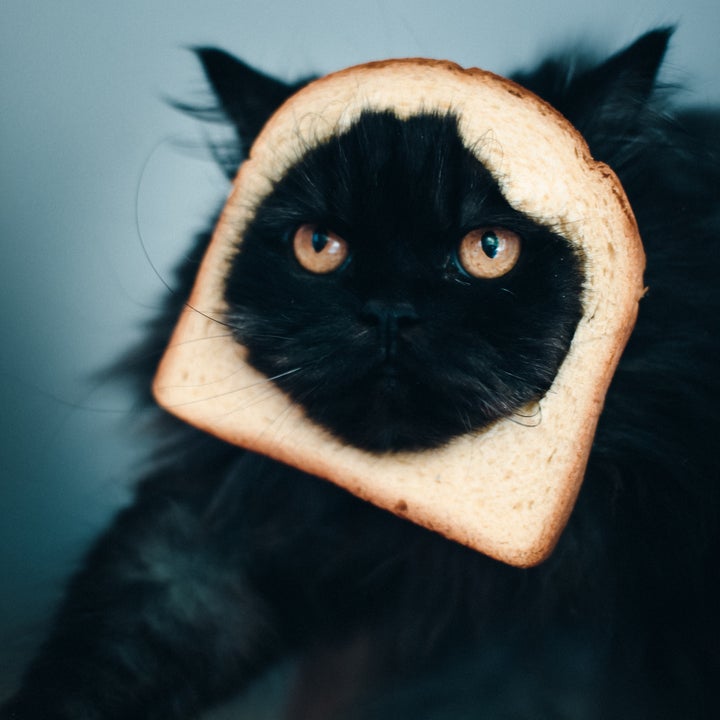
x,y
228,562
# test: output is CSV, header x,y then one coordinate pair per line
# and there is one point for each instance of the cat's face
x,y
392,291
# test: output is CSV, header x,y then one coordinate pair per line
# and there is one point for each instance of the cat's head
x,y
411,255
385,283
395,294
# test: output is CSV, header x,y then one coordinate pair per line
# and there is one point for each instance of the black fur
x,y
402,194
227,561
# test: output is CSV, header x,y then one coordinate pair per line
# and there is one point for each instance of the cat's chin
x,y
384,437
387,409
387,417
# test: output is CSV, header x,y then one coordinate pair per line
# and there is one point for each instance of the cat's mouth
x,y
389,409
389,371
392,378
413,399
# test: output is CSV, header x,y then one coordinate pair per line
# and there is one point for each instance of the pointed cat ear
x,y
617,90
606,102
246,97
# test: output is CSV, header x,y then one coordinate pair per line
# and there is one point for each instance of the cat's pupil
x,y
319,241
490,244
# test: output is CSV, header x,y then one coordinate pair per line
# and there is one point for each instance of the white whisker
x,y
242,388
270,393
190,341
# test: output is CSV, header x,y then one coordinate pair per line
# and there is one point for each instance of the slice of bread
x,y
507,491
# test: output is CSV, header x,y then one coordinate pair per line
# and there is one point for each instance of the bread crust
x,y
506,491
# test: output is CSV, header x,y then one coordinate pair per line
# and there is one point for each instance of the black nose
x,y
382,311
390,318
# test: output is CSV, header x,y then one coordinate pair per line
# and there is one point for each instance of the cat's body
x,y
228,562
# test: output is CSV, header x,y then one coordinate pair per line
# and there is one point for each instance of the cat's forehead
x,y
508,129
386,176
509,490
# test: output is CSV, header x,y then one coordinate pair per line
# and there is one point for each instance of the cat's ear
x,y
246,97
615,92
608,102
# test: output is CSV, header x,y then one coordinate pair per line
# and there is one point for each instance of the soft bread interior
x,y
507,491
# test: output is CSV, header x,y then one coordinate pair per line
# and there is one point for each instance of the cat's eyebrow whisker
x,y
138,226
308,180
141,237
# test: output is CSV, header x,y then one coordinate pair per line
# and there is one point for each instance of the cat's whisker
x,y
535,410
138,225
262,381
272,378
141,236
276,425
268,336
532,419
215,381
270,392
273,390
208,316
190,341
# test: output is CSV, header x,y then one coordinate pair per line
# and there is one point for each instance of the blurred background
x,y
95,162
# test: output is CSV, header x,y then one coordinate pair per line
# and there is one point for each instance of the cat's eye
x,y
318,250
489,252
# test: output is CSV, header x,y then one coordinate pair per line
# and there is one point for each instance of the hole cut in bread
x,y
507,491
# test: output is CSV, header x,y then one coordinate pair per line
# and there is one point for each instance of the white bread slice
x,y
507,491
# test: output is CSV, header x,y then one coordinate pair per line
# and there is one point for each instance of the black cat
x,y
228,562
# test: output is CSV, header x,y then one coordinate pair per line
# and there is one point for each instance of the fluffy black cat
x,y
228,562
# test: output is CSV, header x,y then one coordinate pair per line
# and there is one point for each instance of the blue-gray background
x,y
88,144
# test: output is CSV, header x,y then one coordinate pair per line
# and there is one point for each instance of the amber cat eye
x,y
489,252
318,250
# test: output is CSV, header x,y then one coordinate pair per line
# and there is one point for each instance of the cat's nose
x,y
390,318
389,313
